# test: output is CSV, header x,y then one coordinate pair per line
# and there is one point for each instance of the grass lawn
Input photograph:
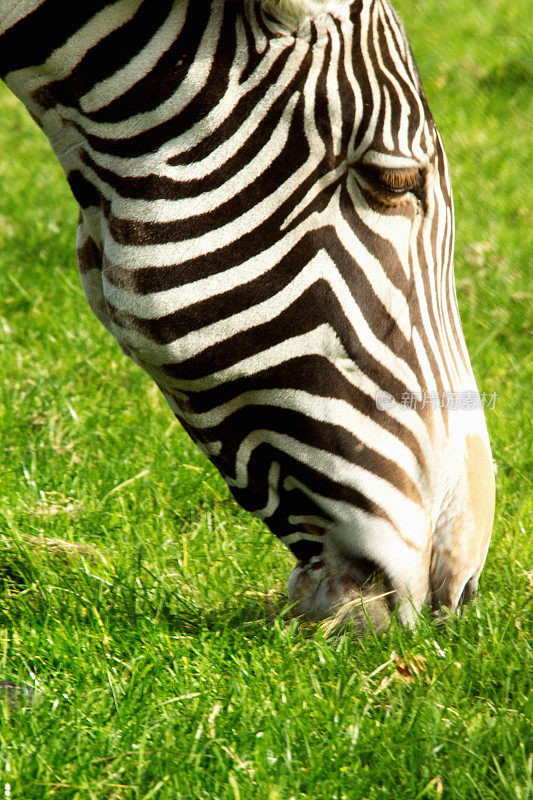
x,y
164,665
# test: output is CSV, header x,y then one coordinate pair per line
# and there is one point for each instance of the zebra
x,y
266,228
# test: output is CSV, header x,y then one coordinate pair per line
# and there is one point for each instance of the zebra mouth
x,y
343,589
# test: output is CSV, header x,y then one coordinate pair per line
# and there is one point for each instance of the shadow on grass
x,y
250,618
40,578
50,582
44,579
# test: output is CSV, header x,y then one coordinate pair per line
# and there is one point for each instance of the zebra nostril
x,y
362,570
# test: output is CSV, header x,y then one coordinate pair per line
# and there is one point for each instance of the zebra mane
x,y
294,12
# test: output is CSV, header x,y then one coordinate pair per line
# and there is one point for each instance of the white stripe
x,y
321,266
292,538
321,410
207,202
337,470
103,93
323,342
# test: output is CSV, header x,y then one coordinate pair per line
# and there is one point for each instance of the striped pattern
x,y
266,228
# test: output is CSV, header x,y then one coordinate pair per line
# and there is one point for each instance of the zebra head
x,y
267,229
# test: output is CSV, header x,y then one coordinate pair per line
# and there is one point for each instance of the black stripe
x,y
31,40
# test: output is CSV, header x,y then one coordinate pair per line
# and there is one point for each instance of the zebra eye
x,y
393,181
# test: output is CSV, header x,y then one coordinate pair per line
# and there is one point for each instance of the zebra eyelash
x,y
394,182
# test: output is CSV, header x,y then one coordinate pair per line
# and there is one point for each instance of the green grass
x,y
165,667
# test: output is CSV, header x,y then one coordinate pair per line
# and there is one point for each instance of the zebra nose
x,y
481,487
461,541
